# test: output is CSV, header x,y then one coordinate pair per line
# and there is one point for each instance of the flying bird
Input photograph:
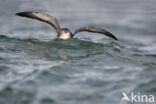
x,y
63,33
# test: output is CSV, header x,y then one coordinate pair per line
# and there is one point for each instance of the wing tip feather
x,y
24,13
115,38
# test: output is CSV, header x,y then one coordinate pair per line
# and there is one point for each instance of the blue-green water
x,y
36,68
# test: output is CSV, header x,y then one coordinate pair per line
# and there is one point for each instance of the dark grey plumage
x,y
63,33
42,17
95,30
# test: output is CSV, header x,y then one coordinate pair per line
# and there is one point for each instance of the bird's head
x,y
65,34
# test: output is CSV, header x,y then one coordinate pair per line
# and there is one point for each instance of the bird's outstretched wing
x,y
42,17
95,30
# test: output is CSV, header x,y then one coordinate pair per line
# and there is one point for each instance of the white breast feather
x,y
65,36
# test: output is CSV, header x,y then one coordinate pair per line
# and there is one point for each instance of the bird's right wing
x,y
42,17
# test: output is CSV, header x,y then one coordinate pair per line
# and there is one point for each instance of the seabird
x,y
62,33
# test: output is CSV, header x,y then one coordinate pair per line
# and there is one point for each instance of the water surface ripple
x,y
36,68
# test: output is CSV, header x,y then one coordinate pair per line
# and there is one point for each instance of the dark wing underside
x,y
95,30
42,17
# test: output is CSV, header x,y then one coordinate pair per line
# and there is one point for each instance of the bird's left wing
x,y
95,30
